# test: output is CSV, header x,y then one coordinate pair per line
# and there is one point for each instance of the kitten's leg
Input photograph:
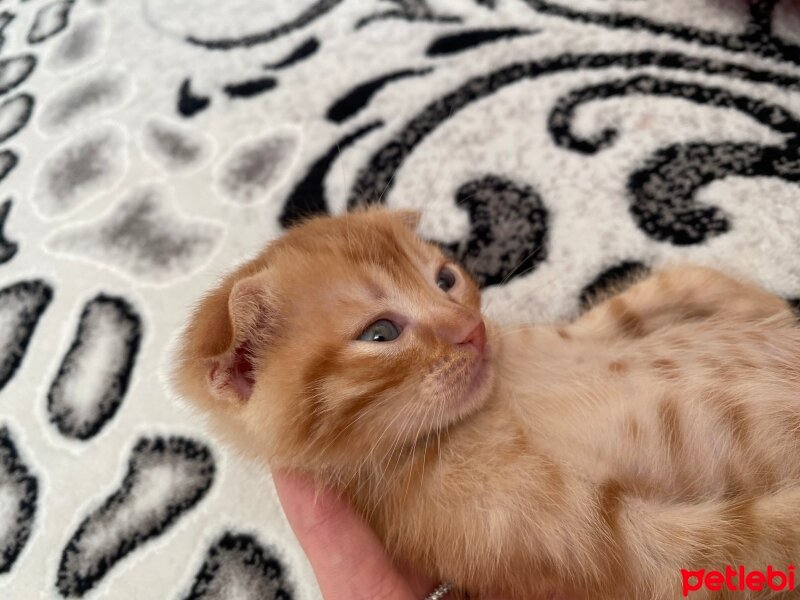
x,y
673,295
656,540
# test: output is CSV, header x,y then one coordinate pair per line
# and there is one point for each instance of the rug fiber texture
x,y
147,146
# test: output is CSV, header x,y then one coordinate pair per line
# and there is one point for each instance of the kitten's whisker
x,y
341,172
388,425
527,256
438,443
395,457
465,199
439,430
395,452
354,421
439,417
377,442
378,465
323,407
386,187
422,421
319,402
512,271
347,231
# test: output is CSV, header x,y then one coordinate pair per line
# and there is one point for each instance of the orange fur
x,y
657,432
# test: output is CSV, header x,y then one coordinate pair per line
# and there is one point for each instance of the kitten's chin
x,y
476,393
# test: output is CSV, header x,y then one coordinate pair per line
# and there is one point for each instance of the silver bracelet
x,y
439,593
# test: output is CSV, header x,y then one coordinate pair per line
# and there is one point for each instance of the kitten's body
x,y
659,432
617,458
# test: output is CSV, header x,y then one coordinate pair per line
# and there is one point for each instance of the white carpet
x,y
146,146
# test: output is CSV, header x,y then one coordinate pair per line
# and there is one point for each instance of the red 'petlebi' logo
x,y
738,580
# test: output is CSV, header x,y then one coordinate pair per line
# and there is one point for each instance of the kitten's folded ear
x,y
231,374
226,339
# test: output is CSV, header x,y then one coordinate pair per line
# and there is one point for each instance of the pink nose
x,y
476,337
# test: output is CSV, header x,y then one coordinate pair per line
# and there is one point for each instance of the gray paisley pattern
x,y
79,170
142,236
146,146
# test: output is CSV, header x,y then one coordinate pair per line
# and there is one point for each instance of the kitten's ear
x,y
252,315
225,337
409,218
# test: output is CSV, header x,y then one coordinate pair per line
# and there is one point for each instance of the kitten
x,y
660,431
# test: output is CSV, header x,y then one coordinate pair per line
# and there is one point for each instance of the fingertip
x,y
307,504
344,552
292,487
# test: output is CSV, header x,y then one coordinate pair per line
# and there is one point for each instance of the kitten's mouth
x,y
476,392
479,377
471,398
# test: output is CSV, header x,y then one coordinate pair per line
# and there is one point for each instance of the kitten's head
x,y
346,338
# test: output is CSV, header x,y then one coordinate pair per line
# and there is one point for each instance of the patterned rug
x,y
149,145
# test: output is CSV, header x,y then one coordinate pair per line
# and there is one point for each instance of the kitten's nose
x,y
476,337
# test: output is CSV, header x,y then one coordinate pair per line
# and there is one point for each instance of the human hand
x,y
346,555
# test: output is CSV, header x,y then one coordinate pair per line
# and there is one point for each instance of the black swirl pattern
x,y
663,190
356,99
51,19
511,219
21,306
308,16
308,197
771,115
8,248
48,21
794,305
240,557
377,175
14,115
107,341
20,489
8,160
118,527
6,18
302,52
508,230
251,87
14,70
408,10
756,39
190,103
611,281
472,38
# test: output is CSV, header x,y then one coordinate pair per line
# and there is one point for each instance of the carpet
x,y
147,146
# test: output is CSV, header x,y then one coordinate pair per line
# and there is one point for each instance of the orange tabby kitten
x,y
658,432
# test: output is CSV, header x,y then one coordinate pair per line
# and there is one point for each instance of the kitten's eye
x,y
380,331
446,279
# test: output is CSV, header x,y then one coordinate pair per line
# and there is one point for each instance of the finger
x,y
346,555
421,585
